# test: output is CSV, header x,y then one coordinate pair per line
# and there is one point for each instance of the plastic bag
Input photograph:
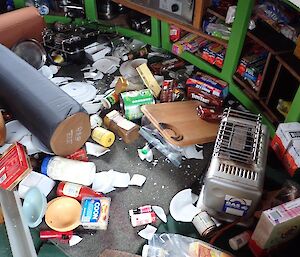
x,y
174,245
154,138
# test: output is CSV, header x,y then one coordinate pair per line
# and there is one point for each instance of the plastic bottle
x,y
240,240
75,191
63,169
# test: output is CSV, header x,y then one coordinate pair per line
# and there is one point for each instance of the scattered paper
x,y
74,240
106,181
160,213
119,179
30,147
147,232
61,80
95,149
15,131
181,206
137,180
193,152
103,182
95,121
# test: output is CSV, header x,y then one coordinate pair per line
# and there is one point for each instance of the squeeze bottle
x,y
63,169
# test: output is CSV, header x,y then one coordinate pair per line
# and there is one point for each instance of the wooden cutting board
x,y
180,124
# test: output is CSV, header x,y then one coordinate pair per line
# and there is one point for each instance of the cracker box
x,y
275,226
14,166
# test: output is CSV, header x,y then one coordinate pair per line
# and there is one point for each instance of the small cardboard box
x,y
286,145
14,166
277,225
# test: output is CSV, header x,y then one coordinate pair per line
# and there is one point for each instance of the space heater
x,y
234,180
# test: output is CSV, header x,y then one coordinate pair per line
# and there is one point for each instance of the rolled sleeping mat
x,y
21,24
48,112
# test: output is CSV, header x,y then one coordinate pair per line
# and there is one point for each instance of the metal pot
x,y
107,9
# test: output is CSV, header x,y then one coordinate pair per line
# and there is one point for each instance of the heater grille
x,y
239,137
238,171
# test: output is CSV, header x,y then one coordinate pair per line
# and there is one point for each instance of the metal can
x,y
204,224
132,101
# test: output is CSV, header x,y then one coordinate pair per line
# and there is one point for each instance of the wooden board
x,y
179,123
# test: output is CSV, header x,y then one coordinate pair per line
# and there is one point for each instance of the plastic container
x,y
142,219
103,136
75,191
34,207
95,212
124,128
240,240
63,169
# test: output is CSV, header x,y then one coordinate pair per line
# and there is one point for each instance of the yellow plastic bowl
x,y
63,214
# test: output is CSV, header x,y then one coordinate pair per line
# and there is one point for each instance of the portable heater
x,y
234,180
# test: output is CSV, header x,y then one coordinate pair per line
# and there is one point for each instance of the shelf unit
x,y
91,19
279,62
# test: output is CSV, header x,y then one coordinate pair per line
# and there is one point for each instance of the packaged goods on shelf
x,y
209,84
210,51
180,45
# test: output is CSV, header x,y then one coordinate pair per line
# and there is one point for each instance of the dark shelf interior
x,y
291,63
270,39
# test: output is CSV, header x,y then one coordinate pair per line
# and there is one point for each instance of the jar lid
x,y
44,165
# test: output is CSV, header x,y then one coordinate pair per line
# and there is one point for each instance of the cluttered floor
x,y
141,174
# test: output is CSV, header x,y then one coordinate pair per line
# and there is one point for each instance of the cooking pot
x,y
107,9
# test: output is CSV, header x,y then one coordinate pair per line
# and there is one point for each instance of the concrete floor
x,y
163,181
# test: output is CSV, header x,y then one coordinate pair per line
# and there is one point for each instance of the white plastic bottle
x,y
63,169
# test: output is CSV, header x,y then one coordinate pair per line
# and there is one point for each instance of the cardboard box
x,y
275,226
14,166
286,145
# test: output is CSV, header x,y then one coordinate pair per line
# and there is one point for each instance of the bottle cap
x,y
44,165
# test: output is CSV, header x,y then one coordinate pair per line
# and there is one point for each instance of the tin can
x,y
204,224
110,100
132,101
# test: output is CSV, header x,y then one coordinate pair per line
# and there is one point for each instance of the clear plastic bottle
x,y
63,169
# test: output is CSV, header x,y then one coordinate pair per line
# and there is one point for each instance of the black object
x,y
107,9
47,111
141,23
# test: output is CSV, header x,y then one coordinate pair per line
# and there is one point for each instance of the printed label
x,y
91,210
71,189
236,206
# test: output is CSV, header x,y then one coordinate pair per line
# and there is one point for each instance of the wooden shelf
x,y
291,63
248,88
270,39
139,6
257,99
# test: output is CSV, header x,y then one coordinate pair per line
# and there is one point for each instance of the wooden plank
x,y
199,11
292,69
264,72
171,20
273,83
180,124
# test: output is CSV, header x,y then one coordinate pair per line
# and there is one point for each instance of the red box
x,y
14,166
